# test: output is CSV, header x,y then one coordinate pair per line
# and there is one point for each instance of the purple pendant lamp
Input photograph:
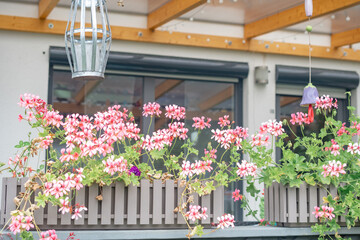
x,y
310,92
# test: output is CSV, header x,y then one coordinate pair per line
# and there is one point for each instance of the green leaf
x,y
252,189
41,200
157,154
310,180
199,230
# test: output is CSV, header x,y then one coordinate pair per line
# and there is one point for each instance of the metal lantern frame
x,y
87,55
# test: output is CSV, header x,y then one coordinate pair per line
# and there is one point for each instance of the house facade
x,y
206,80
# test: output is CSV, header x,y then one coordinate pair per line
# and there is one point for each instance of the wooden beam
x,y
85,90
45,7
26,24
166,86
170,11
294,15
345,38
216,99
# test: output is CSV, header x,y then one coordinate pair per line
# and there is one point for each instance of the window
x,y
211,97
288,104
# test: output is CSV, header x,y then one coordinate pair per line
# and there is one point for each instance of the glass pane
x,y
90,97
291,104
208,99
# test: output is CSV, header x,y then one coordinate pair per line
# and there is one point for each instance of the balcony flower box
x,y
292,206
147,206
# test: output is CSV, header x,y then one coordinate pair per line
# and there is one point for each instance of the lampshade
x,y
309,95
88,43
308,8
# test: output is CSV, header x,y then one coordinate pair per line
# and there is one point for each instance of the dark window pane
x,y
200,98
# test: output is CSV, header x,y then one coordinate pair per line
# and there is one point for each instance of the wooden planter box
x,y
148,206
293,207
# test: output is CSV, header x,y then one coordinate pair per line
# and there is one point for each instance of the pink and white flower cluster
x,y
224,121
236,195
175,112
326,212
151,109
196,213
335,148
272,127
200,123
48,235
229,137
334,168
259,140
61,187
199,167
353,148
299,118
246,169
325,102
356,125
113,165
20,223
210,154
225,221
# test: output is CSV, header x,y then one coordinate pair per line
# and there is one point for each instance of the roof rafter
x,y
345,38
170,11
45,7
25,24
293,16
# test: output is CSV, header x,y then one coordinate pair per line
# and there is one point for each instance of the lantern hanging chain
x,y
309,55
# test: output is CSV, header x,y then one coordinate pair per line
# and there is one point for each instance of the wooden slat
x,y
180,218
266,203
171,10
52,216
119,203
322,193
303,214
66,218
291,199
282,203
218,203
93,205
206,202
313,202
157,202
276,202
293,16
144,201
45,7
271,203
10,195
3,199
169,202
345,38
22,189
80,199
106,206
132,204
25,24
39,213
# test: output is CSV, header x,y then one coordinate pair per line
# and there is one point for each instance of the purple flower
x,y
135,170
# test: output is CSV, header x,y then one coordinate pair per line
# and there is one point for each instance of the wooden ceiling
x,y
259,17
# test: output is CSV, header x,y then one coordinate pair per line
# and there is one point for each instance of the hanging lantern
x,y
88,44
309,99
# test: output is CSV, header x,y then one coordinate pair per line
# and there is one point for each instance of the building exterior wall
x,y
24,68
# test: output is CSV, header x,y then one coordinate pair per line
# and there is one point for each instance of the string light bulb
x,y
347,18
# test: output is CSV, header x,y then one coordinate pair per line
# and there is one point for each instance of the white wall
x,y
24,66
